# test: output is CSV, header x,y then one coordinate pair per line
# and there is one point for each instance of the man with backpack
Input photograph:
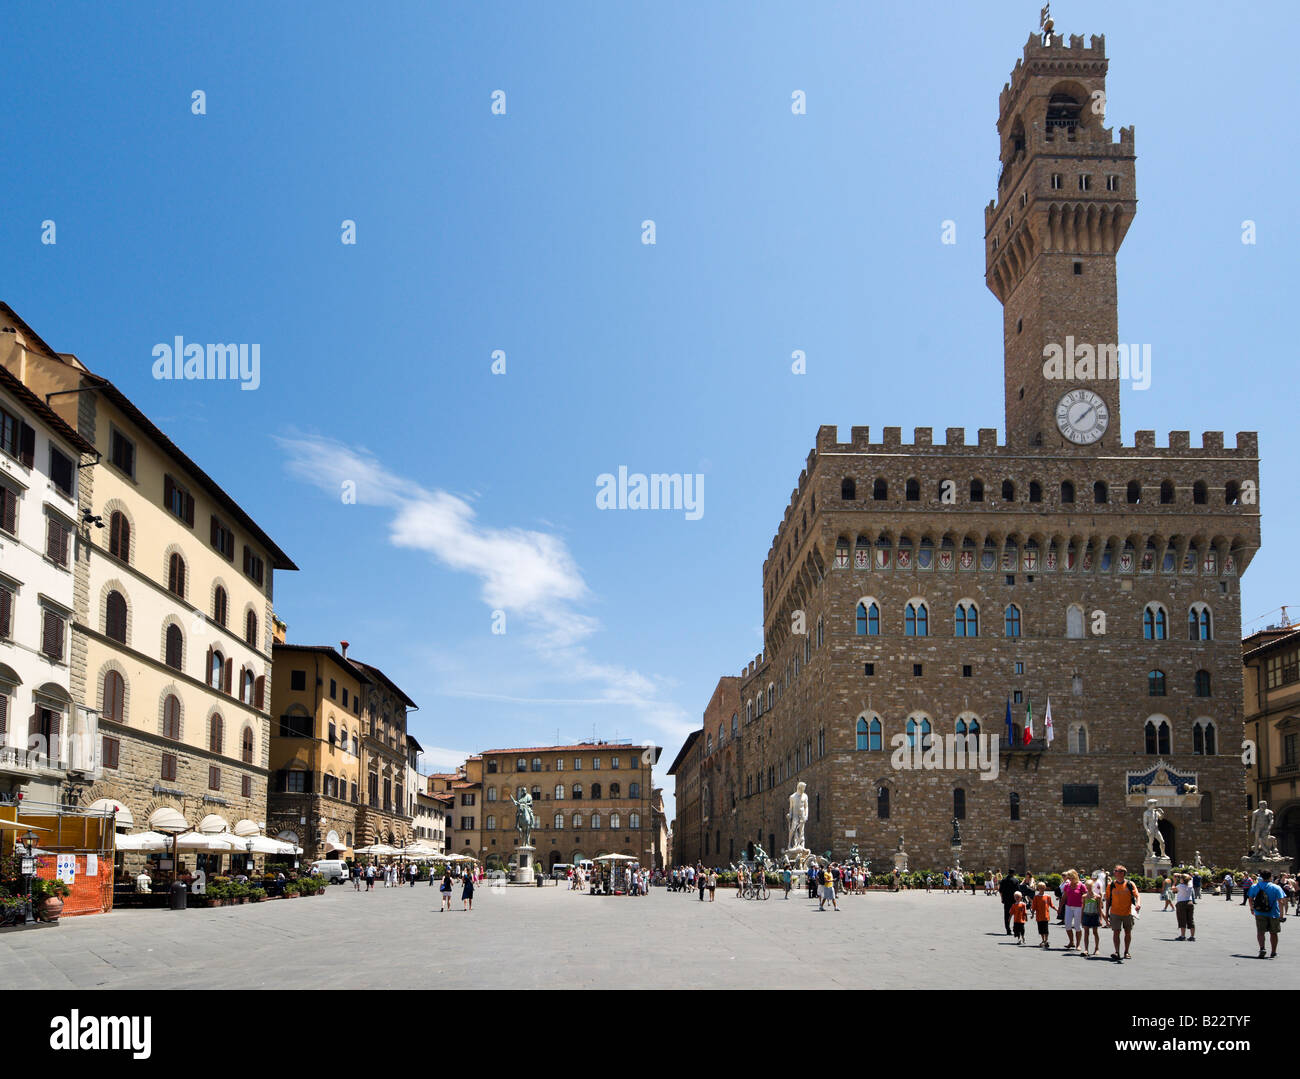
x,y
1265,899
1122,904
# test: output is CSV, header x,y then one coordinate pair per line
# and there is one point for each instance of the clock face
x,y
1082,417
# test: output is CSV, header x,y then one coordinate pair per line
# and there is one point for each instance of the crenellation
x,y
893,438
956,437
923,437
1180,440
1212,440
1144,440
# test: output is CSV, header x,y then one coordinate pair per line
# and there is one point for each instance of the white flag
x,y
1047,722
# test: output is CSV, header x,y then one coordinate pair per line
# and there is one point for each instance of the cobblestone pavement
x,y
531,938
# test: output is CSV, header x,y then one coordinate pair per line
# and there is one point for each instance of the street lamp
x,y
29,871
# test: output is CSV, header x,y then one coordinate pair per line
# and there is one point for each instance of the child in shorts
x,y
1019,915
1043,907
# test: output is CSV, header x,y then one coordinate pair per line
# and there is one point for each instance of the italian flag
x,y
1029,722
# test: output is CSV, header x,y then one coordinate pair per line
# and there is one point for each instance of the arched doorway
x,y
553,860
1167,833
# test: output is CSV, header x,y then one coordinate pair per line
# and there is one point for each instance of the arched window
x,y
735,724
114,697
1100,494
1074,621
1067,492
246,681
1155,683
559,792
634,821
220,603
913,491
1231,493
1008,491
771,697
1155,623
615,790
577,820
559,820
922,729
119,536
1204,740
1134,493
216,733
959,803
172,718
1157,736
1198,623
491,794
880,491
868,619
216,669
175,650
595,791
176,575
977,490
1199,493
246,747
967,620
1167,493
595,822
1078,742
848,490
1011,622
250,630
1035,491
615,822
868,734
821,632
882,803
916,620
115,617
1015,806
1203,683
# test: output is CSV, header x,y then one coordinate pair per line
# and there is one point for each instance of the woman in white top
x,y
1185,905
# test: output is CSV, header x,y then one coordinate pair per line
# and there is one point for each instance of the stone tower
x,y
1065,198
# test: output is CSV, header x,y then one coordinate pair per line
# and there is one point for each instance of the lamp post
x,y
29,871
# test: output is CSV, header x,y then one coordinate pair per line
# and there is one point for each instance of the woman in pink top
x,y
1072,893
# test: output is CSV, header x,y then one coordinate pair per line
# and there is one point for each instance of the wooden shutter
x,y
259,692
4,717
8,510
215,536
189,509
27,446
230,671
248,745
109,756
169,489
119,537
52,635
207,671
6,612
54,542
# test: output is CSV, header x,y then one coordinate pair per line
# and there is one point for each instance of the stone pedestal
x,y
1156,867
524,865
900,861
956,856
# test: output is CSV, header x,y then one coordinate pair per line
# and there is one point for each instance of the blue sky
x,y
522,232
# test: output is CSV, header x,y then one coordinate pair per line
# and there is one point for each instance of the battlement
x,y
754,665
1044,54
955,443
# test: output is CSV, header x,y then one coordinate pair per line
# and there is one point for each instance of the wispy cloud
x,y
529,574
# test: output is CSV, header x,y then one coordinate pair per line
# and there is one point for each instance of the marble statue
x,y
956,833
1261,827
1197,863
798,816
1151,817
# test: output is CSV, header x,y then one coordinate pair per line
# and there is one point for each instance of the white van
x,y
332,869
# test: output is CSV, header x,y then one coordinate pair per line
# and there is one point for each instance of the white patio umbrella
x,y
615,858
144,841
199,841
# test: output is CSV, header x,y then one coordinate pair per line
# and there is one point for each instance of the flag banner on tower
x,y
1047,722
1029,722
1011,736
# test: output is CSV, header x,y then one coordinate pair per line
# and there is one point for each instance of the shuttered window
x,y
216,736
172,718
6,612
259,693
111,753
178,500
245,787
214,778
4,715
246,750
121,451
253,565
27,445
250,630
10,425
8,509
57,534
168,766
62,471
175,648
114,697
119,536
115,617
223,539
52,626
176,575
219,606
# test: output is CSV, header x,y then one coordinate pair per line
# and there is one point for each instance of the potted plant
x,y
48,895
257,895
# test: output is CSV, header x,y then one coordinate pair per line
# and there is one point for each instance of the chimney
x,y
344,646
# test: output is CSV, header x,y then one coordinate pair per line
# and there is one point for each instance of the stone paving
x,y
553,938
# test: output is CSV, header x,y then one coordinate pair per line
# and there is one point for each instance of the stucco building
x,y
1271,711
